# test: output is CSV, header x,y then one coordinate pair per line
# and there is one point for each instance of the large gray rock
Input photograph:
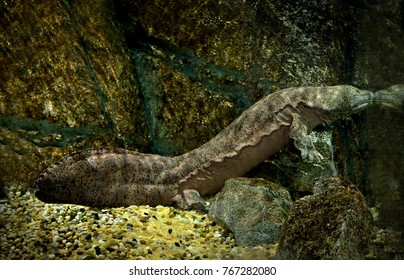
x,y
253,209
333,224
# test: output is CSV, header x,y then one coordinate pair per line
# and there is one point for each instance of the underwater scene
x,y
201,130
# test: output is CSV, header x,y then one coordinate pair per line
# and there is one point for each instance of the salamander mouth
x,y
389,98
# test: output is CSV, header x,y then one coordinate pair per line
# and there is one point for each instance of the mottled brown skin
x,y
117,177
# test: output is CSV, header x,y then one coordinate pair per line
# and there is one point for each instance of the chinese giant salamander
x,y
109,177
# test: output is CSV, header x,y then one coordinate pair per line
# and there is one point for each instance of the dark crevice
x,y
2,190
38,131
86,56
348,12
134,36
150,89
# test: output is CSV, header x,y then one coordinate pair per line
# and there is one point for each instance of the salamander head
x,y
333,103
342,101
392,97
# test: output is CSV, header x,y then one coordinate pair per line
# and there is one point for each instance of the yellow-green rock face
x,y
270,42
66,80
68,65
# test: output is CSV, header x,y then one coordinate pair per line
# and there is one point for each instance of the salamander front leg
x,y
302,141
190,199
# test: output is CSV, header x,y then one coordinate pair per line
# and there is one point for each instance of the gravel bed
x,y
31,229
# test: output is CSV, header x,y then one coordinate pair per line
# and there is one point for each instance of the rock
x,y
67,67
67,82
379,56
333,224
322,184
244,44
253,209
